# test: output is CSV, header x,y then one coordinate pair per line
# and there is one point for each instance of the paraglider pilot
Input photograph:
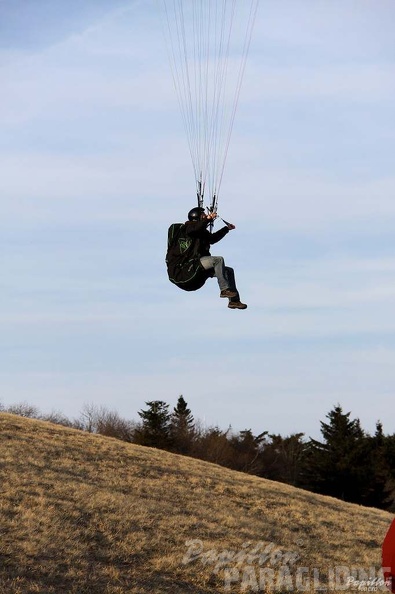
x,y
196,229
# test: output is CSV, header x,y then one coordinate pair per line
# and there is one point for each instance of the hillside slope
x,y
85,514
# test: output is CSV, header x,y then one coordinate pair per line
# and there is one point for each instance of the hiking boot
x,y
237,305
228,293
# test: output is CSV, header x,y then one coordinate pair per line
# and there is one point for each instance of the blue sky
x,y
94,167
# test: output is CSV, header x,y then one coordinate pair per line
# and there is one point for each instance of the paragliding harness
x,y
183,262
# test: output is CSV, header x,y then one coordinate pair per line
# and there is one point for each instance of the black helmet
x,y
195,213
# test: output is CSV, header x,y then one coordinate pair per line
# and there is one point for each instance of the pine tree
x,y
390,460
336,466
155,427
182,415
182,427
380,470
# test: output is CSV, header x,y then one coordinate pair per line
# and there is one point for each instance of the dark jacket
x,y
197,230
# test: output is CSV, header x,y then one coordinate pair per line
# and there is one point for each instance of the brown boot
x,y
237,305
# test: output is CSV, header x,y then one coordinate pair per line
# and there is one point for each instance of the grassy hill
x,y
82,513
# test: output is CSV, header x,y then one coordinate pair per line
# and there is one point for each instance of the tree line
x,y
347,463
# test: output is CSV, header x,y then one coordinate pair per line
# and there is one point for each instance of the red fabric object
x,y
389,557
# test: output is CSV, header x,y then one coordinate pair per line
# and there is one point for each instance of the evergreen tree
x,y
380,465
390,484
182,427
376,489
182,415
336,466
155,427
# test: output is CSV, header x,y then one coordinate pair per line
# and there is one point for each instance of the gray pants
x,y
224,274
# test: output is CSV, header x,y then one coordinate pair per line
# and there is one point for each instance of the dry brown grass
x,y
85,514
